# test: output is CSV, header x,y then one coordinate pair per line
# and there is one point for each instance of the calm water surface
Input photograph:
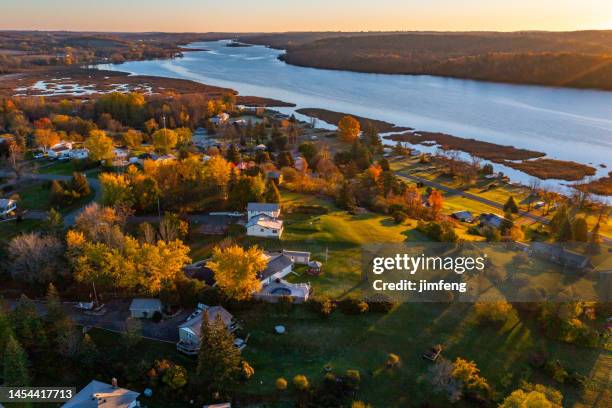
x,y
566,124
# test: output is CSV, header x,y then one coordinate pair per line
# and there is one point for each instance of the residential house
x,y
270,209
99,394
189,332
79,154
300,163
298,257
145,308
491,220
7,206
463,216
275,176
60,150
279,266
221,119
260,148
264,226
560,255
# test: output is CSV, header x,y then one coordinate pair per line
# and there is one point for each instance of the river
x,y
566,124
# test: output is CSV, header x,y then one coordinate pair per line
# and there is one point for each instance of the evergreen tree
x,y
219,361
232,155
557,220
581,230
594,246
6,330
565,232
80,184
373,138
346,197
272,193
88,352
28,326
15,364
54,223
511,206
55,313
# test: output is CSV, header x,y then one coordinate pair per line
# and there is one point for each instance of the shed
x,y
145,308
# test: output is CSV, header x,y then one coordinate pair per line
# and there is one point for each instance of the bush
x,y
353,378
157,317
323,306
281,384
399,216
300,382
380,303
353,306
211,295
393,360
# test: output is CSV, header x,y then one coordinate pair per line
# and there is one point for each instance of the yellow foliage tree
x,y
99,145
349,129
236,270
165,140
46,138
116,189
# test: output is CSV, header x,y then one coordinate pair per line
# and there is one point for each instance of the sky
x,y
305,15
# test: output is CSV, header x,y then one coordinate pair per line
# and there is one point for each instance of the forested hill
x,y
580,59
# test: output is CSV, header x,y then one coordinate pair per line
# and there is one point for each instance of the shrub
x,y
393,360
157,316
380,303
399,216
353,306
281,384
353,378
247,371
300,382
323,306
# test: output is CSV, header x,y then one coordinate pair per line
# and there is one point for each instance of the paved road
x,y
469,196
69,218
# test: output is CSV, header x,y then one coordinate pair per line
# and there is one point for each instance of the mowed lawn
x,y
335,239
363,342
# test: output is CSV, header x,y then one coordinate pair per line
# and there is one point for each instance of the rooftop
x,y
98,394
263,207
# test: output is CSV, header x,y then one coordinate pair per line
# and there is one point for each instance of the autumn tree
x,y
236,270
349,129
467,372
494,312
132,138
100,146
535,396
46,138
436,202
36,258
116,189
272,194
165,140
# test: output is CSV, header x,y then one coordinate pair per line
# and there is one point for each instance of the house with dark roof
x,y
279,266
560,255
463,216
491,220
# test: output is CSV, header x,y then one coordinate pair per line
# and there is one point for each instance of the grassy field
x,y
363,342
335,239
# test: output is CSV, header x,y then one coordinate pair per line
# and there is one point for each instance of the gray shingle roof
x,y
263,207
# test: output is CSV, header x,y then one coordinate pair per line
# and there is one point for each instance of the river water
x,y
566,124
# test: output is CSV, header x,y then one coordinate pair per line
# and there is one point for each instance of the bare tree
x,y
36,258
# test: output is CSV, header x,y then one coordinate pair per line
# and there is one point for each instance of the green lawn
x,y
335,239
363,342
35,196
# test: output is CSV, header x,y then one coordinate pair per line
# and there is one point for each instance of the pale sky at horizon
x,y
306,15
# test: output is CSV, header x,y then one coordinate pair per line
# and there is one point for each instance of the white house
x,y
79,154
7,206
300,163
220,119
145,308
298,257
99,394
189,332
61,150
279,266
264,226
270,209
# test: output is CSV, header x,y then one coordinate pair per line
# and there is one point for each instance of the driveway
x,y
117,312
